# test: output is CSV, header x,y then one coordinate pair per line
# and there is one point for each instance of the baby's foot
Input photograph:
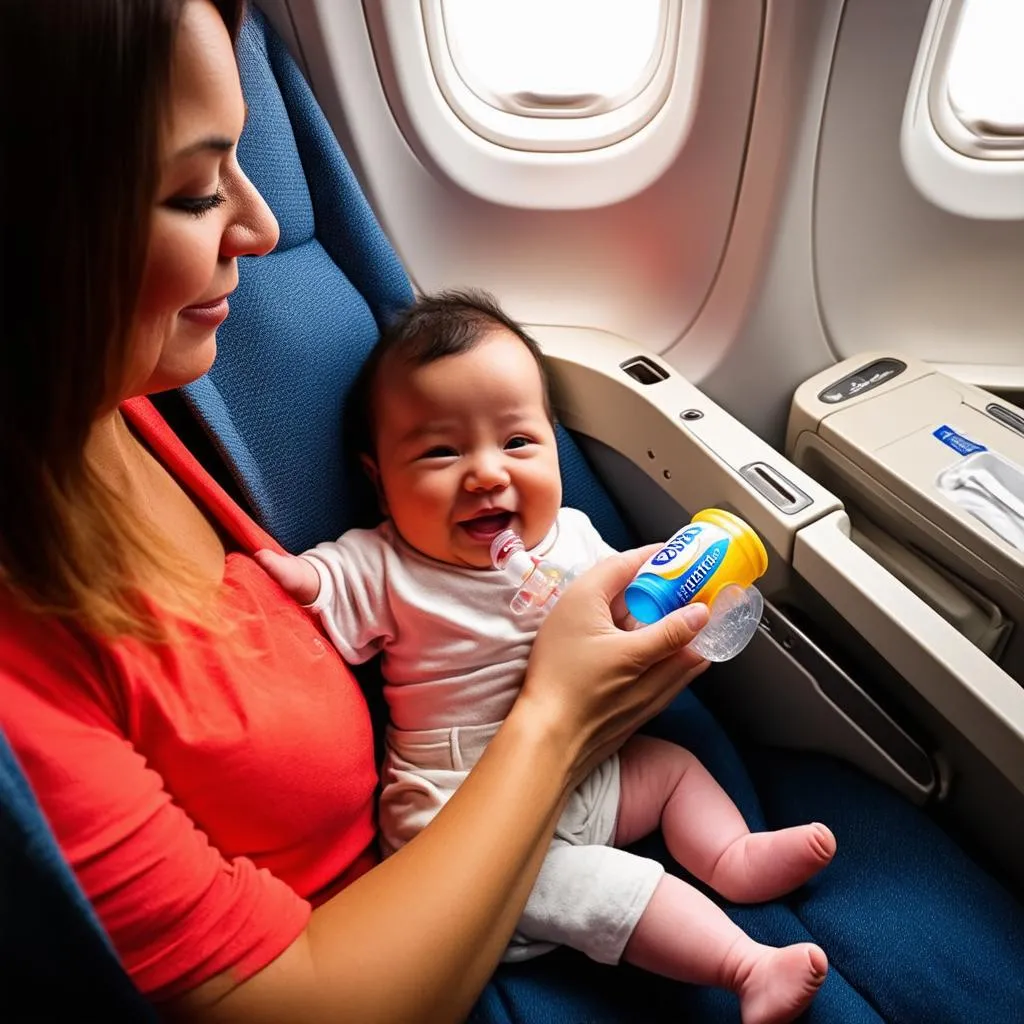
x,y
781,983
764,865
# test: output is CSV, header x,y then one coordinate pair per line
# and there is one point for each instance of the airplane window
x,y
962,137
561,58
558,76
565,104
985,74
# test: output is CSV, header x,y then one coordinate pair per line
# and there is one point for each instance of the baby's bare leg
x,y
683,935
704,831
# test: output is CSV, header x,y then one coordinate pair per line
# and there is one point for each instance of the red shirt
x,y
204,793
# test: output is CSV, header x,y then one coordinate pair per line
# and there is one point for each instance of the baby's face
x,y
466,450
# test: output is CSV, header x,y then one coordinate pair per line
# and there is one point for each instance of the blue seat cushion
x,y
915,931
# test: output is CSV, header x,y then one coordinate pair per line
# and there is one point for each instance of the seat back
x,y
55,960
304,317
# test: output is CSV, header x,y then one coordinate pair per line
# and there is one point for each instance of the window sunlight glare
x,y
985,78
554,49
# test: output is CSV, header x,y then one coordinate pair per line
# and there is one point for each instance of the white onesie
x,y
454,656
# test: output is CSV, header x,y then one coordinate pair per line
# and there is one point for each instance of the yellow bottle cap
x,y
746,539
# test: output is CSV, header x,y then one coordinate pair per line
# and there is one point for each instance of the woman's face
x,y
207,212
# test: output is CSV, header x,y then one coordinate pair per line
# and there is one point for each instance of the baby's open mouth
x,y
487,526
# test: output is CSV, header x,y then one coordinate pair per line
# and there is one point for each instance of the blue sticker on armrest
x,y
959,443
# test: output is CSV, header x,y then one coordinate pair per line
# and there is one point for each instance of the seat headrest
x,y
303,318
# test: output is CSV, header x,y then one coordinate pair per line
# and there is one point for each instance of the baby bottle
x,y
715,560
541,581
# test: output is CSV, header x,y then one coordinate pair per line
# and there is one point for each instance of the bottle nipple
x,y
504,546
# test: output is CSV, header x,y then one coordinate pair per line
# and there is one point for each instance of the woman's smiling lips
x,y
208,314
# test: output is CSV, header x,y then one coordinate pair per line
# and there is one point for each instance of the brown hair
x,y
447,323
83,95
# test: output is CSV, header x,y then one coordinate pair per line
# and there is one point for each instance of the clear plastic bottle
x,y
541,581
715,559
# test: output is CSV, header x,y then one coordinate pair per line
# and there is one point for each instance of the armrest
x,y
964,685
711,459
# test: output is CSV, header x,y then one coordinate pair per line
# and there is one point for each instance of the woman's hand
x,y
596,681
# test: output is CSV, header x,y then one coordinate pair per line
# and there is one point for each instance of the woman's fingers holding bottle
x,y
662,638
594,603
599,680
665,662
669,635
620,613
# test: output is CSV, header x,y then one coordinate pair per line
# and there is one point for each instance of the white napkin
x,y
991,488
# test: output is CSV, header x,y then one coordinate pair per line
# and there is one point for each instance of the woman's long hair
x,y
85,93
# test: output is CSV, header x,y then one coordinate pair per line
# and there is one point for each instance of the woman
x,y
205,760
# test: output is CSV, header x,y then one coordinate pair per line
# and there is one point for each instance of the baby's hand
x,y
294,574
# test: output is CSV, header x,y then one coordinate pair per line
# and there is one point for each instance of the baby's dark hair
x,y
447,323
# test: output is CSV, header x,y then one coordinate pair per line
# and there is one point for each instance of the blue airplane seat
x,y
56,962
915,931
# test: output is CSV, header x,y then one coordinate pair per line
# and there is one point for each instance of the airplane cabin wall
x,y
892,267
640,267
786,234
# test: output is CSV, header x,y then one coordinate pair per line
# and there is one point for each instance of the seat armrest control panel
x,y
701,455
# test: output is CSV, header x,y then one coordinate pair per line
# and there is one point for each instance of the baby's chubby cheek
x,y
536,527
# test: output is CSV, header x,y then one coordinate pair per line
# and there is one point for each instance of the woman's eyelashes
x,y
197,205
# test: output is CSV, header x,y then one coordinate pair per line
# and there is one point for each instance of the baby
x,y
460,445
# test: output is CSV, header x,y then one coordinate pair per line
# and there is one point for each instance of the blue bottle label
x,y
694,579
676,546
681,569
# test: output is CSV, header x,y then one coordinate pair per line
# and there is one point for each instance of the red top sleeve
x,y
203,794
